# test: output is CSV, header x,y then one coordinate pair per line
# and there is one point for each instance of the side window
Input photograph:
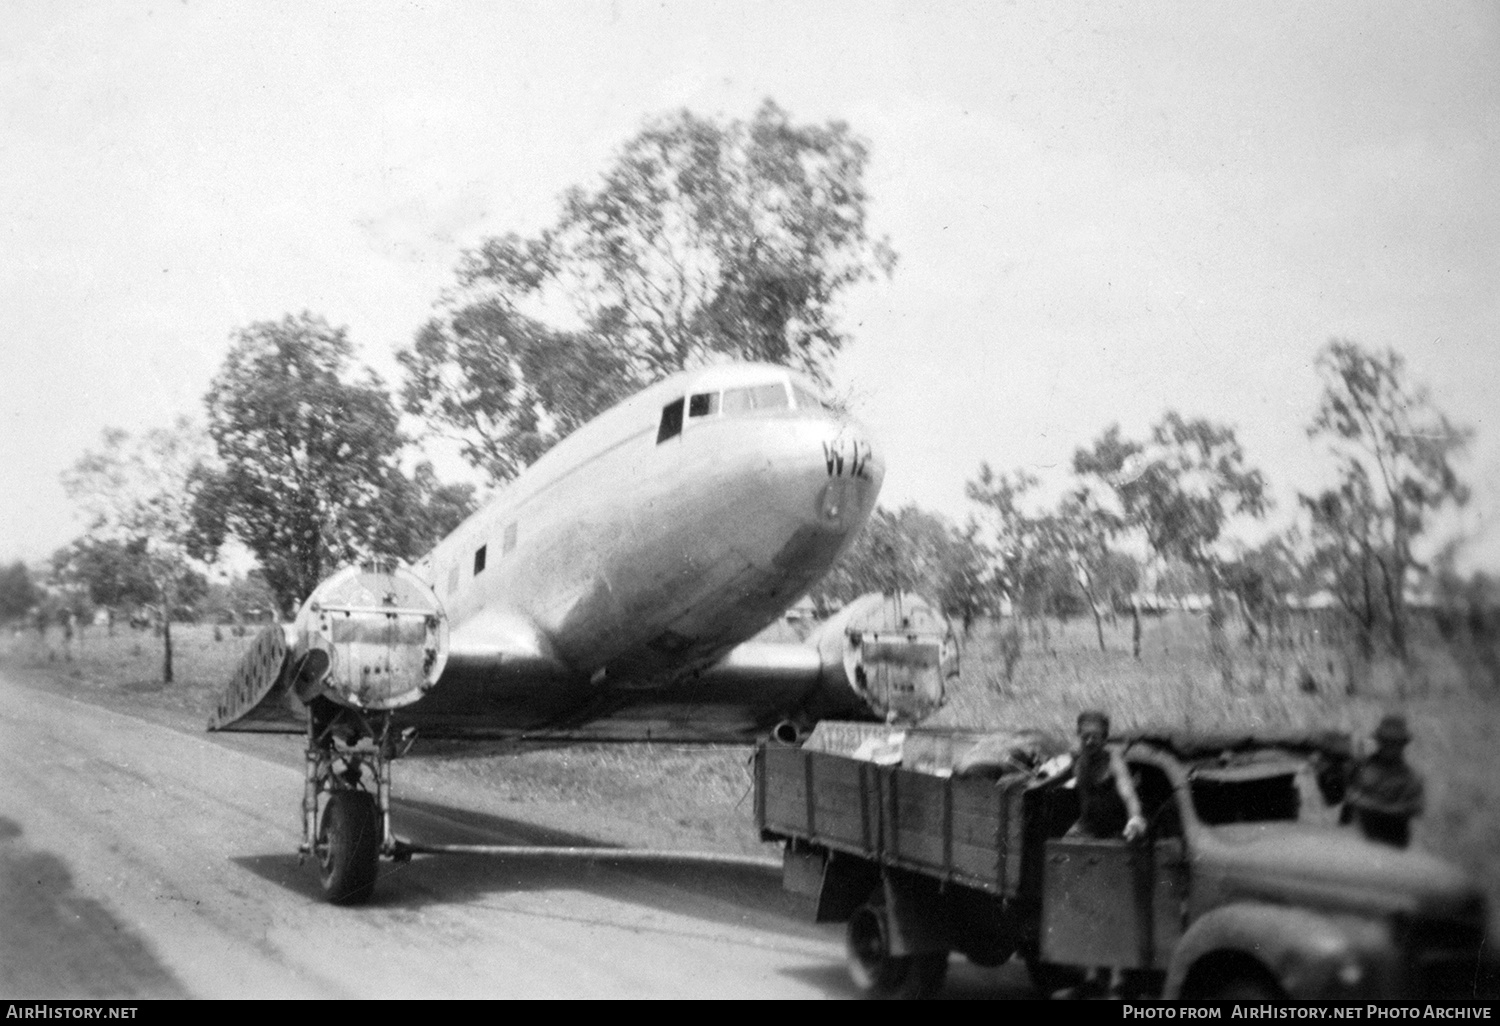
x,y
704,404
479,559
671,421
453,579
510,536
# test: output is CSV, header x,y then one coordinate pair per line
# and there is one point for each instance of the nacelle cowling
x,y
372,636
897,651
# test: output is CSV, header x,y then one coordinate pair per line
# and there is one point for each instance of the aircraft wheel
x,y
348,847
878,973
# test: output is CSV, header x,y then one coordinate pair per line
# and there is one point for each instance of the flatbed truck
x,y
1244,886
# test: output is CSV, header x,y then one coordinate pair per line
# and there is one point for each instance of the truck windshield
x,y
1246,794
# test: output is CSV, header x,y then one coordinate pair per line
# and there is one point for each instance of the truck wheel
x,y
1049,978
348,847
878,973
1243,987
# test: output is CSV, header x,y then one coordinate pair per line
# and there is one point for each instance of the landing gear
x,y
346,798
348,847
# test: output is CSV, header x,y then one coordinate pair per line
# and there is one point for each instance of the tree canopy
x,y
910,550
308,456
702,239
139,495
17,592
1179,487
1394,452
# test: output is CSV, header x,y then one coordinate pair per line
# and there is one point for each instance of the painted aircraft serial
x,y
612,591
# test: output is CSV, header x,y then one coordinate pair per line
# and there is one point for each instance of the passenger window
x,y
671,421
453,579
704,404
479,558
510,536
755,397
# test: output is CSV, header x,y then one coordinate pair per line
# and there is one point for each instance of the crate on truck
x,y
933,841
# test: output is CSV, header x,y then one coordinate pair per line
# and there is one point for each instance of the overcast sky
x,y
1102,211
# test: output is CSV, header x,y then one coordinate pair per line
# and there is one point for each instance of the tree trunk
x,y
1395,596
166,647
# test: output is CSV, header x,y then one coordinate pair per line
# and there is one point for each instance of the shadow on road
x,y
733,895
56,943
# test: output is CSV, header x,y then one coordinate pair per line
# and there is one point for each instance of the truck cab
x,y
1244,886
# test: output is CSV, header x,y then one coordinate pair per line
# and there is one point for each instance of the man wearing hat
x,y
1384,792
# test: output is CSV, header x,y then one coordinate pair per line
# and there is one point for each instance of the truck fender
x,y
1308,954
845,883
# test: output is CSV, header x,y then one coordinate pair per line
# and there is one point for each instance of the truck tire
x,y
348,847
879,974
1048,978
1243,987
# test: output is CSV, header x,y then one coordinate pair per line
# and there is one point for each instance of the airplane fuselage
x,y
643,548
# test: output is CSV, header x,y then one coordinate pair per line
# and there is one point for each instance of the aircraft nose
x,y
853,470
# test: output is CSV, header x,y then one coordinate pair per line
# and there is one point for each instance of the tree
x,y
1394,450
1023,544
1181,487
113,573
1083,530
910,550
423,511
17,592
139,493
308,453
703,239
1260,579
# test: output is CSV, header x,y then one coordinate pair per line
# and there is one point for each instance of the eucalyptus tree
x,y
702,239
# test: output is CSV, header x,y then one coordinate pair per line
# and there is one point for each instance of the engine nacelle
x,y
897,650
372,636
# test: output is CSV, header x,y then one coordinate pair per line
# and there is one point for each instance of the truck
x,y
926,842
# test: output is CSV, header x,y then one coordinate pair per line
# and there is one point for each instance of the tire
x,y
1049,978
1242,987
879,974
348,847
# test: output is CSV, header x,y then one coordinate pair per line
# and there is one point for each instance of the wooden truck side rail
x,y
963,830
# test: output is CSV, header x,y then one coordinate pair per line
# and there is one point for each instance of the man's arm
x,y
1135,825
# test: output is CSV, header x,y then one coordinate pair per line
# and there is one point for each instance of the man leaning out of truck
x,y
1107,802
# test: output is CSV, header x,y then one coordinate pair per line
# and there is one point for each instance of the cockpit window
x,y
805,399
704,404
755,397
671,421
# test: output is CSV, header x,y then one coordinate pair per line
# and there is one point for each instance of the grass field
x,y
675,796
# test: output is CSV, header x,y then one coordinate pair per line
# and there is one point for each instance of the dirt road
x,y
141,860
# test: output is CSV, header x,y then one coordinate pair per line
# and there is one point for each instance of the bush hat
x,y
1393,728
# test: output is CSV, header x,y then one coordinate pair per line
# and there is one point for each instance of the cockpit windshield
x,y
806,400
740,401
